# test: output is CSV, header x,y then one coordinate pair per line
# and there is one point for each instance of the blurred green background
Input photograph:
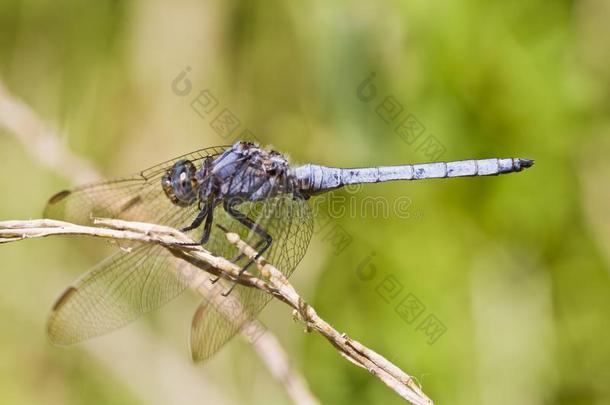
x,y
513,269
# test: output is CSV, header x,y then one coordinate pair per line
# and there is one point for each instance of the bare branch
x,y
273,282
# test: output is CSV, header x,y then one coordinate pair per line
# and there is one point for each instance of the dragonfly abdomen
x,y
314,179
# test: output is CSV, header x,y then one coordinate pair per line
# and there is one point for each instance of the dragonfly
x,y
241,188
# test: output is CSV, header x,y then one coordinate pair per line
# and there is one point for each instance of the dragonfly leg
x,y
237,258
198,220
208,225
250,224
206,213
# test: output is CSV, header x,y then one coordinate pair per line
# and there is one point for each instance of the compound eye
x,y
183,170
166,184
180,182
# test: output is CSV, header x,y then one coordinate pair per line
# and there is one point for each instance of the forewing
x,y
219,318
115,292
138,198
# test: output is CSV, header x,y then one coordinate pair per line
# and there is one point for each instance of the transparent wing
x,y
115,292
216,321
138,198
288,220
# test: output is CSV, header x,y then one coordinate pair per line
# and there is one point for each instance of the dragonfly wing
x,y
139,197
219,318
117,291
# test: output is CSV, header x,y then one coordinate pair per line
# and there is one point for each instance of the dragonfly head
x,y
180,183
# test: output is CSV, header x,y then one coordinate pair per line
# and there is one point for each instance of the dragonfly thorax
x,y
180,183
245,172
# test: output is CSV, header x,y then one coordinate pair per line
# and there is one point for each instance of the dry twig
x,y
273,282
